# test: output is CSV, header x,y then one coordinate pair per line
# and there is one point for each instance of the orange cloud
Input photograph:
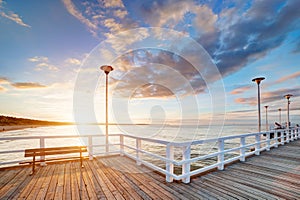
x,y
28,85
240,90
250,101
289,77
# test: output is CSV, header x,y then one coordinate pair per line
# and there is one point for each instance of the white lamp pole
x,y
258,80
288,96
267,125
106,69
279,115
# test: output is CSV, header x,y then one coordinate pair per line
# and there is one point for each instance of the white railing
x,y
182,164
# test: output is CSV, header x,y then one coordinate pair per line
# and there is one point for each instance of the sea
x,y
170,133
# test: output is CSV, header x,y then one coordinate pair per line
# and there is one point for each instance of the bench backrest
x,y
54,151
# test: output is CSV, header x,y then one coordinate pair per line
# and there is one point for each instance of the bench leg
x,y
33,166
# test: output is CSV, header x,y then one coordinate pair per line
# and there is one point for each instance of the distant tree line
x,y
11,121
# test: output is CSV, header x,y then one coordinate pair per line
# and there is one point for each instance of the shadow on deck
x,y
272,175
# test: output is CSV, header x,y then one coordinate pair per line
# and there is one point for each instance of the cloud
x,y
112,25
41,66
2,89
27,85
244,39
289,77
38,59
73,61
240,90
270,97
13,17
42,62
120,13
113,3
249,100
71,8
4,80
150,74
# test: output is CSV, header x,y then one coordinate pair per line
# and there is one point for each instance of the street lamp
x,y
288,96
267,125
279,115
106,69
258,80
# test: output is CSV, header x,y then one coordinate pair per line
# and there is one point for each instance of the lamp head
x,y
258,80
288,96
107,68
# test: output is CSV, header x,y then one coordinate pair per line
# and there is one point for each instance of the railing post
x,y
268,141
282,137
138,153
242,149
287,136
257,146
42,145
90,147
169,165
221,154
186,167
276,138
122,145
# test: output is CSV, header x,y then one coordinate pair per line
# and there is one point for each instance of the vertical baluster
x,y
257,145
169,165
138,153
221,154
90,147
242,150
186,168
268,141
122,145
282,137
42,145
276,138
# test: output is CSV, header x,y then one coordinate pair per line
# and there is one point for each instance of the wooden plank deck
x,y
273,175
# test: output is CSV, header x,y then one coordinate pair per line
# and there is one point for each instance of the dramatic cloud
x,y
150,74
242,41
24,85
234,33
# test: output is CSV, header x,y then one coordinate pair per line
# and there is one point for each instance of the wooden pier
x,y
274,174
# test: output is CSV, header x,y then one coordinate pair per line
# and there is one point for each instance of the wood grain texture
x,y
274,174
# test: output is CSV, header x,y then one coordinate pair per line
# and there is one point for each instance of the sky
x,y
174,61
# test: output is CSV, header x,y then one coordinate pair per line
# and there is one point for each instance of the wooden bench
x,y
53,151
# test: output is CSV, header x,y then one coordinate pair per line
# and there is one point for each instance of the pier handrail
x,y
248,144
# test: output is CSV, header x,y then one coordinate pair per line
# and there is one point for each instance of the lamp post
x,y
258,80
288,96
267,125
279,115
106,69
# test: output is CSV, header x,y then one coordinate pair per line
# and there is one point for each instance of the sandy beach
x,y
17,127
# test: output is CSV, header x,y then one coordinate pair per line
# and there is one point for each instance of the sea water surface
x,y
162,132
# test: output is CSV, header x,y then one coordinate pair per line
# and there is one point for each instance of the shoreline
x,y
17,127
